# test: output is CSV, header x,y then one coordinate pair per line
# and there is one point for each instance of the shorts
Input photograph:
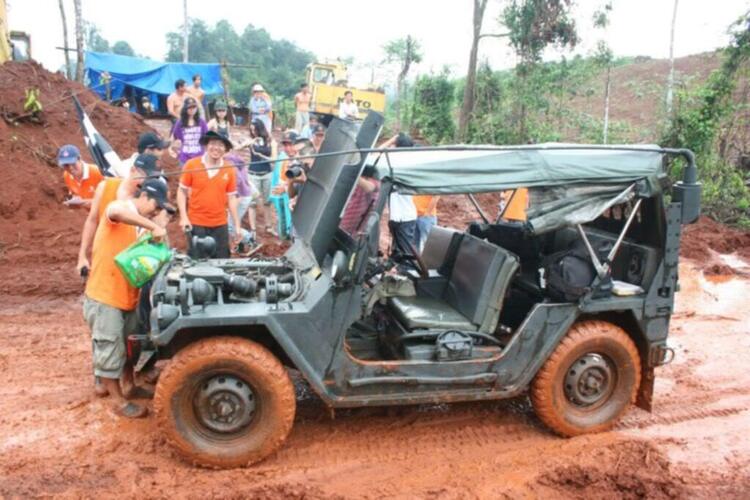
x,y
262,183
110,327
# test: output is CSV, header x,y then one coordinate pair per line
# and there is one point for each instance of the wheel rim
x,y
590,380
224,404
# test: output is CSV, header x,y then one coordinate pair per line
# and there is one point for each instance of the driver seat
x,y
471,299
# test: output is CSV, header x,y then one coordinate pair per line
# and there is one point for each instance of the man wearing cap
x,y
318,133
111,189
260,106
208,186
110,300
80,177
148,143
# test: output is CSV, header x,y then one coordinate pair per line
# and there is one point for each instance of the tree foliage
x,y
122,48
405,52
534,25
433,107
279,65
701,122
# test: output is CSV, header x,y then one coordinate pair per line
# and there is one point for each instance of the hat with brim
x,y
156,189
213,136
68,155
146,163
258,88
220,106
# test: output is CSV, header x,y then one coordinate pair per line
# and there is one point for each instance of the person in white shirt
x,y
402,221
348,108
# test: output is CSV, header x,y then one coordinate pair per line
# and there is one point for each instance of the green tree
x,y
405,52
534,25
123,48
93,39
279,65
433,106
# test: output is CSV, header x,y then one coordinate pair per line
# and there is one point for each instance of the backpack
x,y
570,273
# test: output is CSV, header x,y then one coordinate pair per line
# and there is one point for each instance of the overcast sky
x,y
359,28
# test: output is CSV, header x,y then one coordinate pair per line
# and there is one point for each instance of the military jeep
x,y
473,317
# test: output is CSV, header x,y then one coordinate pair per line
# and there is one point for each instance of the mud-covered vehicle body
x,y
474,321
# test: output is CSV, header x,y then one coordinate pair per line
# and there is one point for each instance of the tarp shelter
x,y
146,77
568,183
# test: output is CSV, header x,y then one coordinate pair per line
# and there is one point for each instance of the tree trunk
x,y
408,59
605,131
467,107
399,85
66,47
79,40
670,79
185,32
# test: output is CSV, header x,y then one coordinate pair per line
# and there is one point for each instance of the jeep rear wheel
x,y
589,380
225,402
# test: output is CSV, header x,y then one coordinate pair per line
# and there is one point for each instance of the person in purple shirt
x,y
247,193
188,130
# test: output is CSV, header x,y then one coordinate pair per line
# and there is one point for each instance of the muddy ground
x,y
57,439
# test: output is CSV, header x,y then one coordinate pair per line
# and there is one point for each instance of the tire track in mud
x,y
677,416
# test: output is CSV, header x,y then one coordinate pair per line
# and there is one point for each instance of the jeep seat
x,y
440,249
472,298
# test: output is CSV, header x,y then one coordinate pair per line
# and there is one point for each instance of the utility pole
x,y
670,79
79,40
185,33
68,72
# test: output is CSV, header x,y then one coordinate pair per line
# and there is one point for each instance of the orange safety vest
x,y
106,283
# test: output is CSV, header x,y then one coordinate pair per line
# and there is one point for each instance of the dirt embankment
x,y
39,236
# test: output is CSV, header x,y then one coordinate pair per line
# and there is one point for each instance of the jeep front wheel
x,y
225,402
589,380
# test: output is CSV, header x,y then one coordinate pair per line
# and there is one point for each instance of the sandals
x,y
137,392
132,410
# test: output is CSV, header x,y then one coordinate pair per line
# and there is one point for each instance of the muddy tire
x,y
225,402
589,381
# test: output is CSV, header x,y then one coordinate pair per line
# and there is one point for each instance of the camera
x,y
295,169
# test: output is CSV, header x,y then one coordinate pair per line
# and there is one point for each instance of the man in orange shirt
x,y
81,178
208,185
426,217
113,188
110,303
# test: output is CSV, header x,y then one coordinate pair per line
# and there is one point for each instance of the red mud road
x,y
56,439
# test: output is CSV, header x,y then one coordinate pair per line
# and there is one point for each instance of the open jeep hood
x,y
331,180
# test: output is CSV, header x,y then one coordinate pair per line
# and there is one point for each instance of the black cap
x,y
151,140
147,163
404,141
156,189
213,136
319,129
290,136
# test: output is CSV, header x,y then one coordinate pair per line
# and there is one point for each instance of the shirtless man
x,y
197,91
302,102
174,101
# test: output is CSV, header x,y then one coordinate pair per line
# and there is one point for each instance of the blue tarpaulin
x,y
147,77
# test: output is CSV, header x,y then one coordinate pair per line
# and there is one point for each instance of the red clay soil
x,y
58,440
39,237
705,240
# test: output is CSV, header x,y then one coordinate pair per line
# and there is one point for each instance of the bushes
x,y
432,109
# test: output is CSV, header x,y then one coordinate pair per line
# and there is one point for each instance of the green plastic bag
x,y
142,260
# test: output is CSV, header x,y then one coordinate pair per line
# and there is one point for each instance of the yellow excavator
x,y
14,45
328,82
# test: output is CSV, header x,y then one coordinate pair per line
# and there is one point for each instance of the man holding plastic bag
x,y
110,303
